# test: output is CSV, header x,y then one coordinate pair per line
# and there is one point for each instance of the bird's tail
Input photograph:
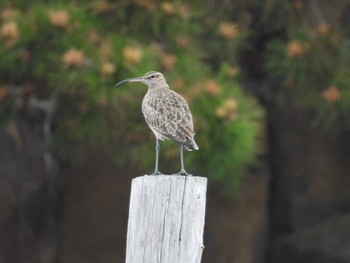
x,y
190,145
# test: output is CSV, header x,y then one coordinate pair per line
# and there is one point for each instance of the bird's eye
x,y
153,76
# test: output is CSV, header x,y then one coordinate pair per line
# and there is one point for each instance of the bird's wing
x,y
167,113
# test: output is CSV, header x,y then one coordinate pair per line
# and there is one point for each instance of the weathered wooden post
x,y
166,219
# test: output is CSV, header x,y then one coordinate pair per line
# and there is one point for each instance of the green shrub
x,y
76,52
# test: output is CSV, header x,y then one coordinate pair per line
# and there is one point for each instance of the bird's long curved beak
x,y
130,80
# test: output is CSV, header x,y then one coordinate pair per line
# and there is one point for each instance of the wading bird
x,y
167,114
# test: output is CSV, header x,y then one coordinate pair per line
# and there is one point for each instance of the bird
x,y
167,115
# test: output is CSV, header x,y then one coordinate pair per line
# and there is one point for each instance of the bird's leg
x,y
156,171
183,171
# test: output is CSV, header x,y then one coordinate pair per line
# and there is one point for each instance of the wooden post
x,y
166,219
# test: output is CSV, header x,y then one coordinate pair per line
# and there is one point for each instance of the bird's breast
x,y
167,113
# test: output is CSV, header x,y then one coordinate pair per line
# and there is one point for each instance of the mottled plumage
x,y
167,114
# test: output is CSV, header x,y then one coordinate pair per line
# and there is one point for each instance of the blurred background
x,y
268,84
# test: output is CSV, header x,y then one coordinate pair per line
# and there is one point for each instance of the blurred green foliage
x,y
75,51
311,63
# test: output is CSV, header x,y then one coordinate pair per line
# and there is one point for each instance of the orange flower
x,y
323,29
331,94
168,8
9,31
232,71
168,61
228,30
59,18
212,88
182,10
74,57
107,68
132,56
227,110
9,13
296,48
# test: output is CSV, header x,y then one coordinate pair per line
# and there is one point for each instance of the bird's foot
x,y
156,173
183,172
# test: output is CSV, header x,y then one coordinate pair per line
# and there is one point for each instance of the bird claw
x,y
156,173
183,172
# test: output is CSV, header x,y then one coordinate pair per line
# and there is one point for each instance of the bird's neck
x,y
158,86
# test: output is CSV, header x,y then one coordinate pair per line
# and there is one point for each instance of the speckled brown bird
x,y
167,114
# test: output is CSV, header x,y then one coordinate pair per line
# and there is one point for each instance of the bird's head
x,y
151,79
